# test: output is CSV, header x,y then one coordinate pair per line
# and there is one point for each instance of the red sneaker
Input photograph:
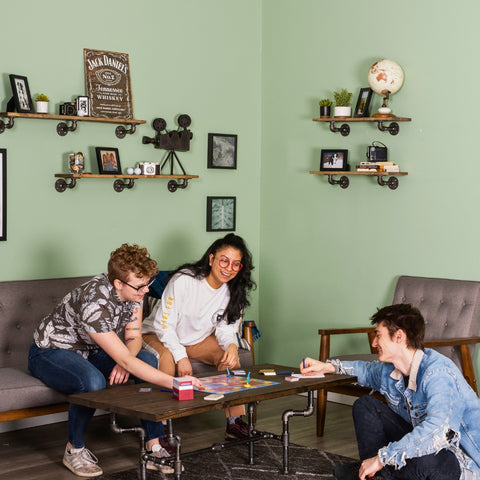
x,y
164,443
237,430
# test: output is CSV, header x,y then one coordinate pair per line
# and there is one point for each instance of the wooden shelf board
x,y
47,116
341,172
390,118
96,175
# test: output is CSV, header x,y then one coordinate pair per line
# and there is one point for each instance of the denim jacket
x,y
438,402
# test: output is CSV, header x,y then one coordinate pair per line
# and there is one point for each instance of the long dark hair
x,y
239,286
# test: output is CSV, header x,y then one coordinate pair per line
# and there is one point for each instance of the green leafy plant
x,y
325,102
42,98
342,98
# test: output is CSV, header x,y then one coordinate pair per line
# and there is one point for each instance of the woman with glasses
x,y
93,337
199,315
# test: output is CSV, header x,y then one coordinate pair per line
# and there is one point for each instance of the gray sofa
x,y
22,305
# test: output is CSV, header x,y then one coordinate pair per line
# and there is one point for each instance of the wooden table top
x,y
157,405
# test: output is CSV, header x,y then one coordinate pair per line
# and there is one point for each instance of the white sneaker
x,y
82,462
159,452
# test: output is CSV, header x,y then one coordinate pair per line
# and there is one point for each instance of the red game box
x,y
182,388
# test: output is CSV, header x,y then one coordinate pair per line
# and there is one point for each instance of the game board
x,y
223,384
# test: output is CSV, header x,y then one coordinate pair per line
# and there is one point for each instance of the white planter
x,y
342,111
42,107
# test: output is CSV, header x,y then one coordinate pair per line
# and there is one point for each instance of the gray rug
x,y
231,463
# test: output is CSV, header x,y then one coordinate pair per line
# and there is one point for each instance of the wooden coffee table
x,y
159,405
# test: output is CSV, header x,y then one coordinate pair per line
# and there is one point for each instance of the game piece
x,y
228,373
213,397
301,375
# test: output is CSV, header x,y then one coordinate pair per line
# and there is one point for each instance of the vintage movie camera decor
x,y
175,140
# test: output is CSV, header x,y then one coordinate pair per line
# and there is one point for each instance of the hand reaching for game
x,y
311,366
230,357
184,367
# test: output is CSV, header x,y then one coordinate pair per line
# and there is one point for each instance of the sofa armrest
x,y
448,342
465,355
325,338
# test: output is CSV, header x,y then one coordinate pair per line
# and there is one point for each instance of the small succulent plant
x,y
42,98
342,98
325,102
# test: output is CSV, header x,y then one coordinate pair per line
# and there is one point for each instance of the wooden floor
x,y
36,453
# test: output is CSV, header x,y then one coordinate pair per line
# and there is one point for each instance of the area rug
x,y
231,463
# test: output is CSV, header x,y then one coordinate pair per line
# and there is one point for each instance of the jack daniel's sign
x,y
107,75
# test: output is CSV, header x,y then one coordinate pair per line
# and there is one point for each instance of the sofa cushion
x,y
21,390
23,304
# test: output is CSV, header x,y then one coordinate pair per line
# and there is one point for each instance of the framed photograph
x,y
221,214
334,160
83,106
21,94
3,194
107,76
222,151
108,160
363,103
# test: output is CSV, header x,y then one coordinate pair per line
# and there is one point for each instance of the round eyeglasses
x,y
140,287
225,262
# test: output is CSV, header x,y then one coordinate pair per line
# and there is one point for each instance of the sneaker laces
x,y
84,454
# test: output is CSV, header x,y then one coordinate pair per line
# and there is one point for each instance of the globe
x,y
385,76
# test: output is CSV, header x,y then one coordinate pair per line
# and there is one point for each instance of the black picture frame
x,y
362,109
222,151
221,214
22,100
334,160
108,160
3,194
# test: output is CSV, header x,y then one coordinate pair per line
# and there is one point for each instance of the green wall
x,y
185,57
325,256
329,256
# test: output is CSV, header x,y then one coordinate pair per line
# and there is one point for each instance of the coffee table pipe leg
x,y
141,433
251,428
286,436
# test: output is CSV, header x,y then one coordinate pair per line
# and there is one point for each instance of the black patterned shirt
x,y
94,307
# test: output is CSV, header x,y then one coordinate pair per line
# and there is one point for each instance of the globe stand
x,y
384,111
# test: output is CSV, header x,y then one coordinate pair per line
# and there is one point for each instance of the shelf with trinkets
x,y
69,180
344,182
393,128
63,127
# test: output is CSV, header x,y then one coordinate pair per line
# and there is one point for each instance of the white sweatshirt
x,y
187,314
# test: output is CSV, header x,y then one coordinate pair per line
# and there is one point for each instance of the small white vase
x,y
342,111
42,107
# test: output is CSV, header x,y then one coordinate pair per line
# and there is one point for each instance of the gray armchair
x,y
451,309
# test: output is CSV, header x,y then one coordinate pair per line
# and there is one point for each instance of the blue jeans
x,y
69,373
376,425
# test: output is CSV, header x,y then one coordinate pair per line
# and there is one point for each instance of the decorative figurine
x,y
174,140
76,162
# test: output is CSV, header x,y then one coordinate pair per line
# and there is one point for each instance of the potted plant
x,y
41,102
342,103
325,107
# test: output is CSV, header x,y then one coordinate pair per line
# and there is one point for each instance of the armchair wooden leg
x,y
321,411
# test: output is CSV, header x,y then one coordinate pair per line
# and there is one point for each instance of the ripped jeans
x,y
376,425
